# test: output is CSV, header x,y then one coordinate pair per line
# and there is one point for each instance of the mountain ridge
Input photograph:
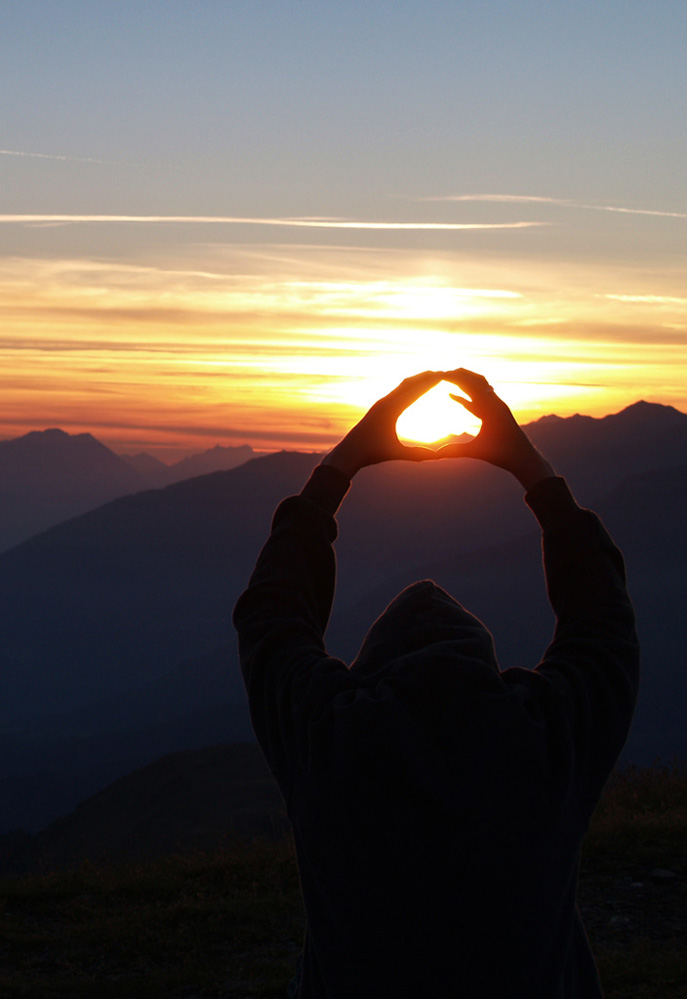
x,y
105,615
219,458
50,476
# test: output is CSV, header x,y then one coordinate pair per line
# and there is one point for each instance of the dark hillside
x,y
115,627
49,769
185,801
122,594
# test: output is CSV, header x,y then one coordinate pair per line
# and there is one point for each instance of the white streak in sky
x,y
52,156
562,202
650,299
499,197
309,223
635,211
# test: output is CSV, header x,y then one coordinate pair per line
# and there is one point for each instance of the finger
x,y
469,381
412,389
464,373
467,403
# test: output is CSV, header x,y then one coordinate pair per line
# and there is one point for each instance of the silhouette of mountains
x,y
215,459
115,626
49,476
187,800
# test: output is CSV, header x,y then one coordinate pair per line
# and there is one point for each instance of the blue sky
x,y
540,138
341,108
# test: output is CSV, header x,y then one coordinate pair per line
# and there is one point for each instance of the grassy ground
x,y
229,924
633,890
226,924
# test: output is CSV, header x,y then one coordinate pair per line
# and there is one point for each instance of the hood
x,y
421,616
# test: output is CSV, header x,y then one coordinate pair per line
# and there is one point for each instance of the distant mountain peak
x,y
235,448
56,432
636,413
651,411
646,420
219,458
51,475
552,420
54,436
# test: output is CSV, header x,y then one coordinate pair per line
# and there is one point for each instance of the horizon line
x,y
233,432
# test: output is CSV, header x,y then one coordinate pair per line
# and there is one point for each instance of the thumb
x,y
419,453
466,403
456,450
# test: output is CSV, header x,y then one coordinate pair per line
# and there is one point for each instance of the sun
x,y
436,416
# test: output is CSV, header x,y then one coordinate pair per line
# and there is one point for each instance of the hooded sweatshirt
x,y
438,804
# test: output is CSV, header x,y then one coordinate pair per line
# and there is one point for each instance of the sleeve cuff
x,y
326,487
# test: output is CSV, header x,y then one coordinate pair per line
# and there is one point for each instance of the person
x,y
438,804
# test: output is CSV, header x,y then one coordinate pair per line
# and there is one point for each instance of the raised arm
x,y
590,671
592,663
291,589
282,616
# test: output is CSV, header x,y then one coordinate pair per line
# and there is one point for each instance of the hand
x,y
500,440
374,438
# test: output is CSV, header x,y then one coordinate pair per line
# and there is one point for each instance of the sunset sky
x,y
243,221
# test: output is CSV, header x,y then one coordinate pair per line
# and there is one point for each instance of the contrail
x,y
562,202
310,223
52,156
634,211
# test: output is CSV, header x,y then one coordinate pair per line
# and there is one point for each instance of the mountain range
x,y
49,476
215,459
115,626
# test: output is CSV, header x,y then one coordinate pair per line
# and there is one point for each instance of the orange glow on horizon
x,y
288,349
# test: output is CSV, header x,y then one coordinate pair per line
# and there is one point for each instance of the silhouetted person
x,y
438,805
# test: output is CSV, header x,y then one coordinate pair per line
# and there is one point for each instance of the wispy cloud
x,y
559,202
52,156
305,222
650,299
517,198
267,338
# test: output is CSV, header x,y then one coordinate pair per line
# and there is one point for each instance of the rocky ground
x,y
643,903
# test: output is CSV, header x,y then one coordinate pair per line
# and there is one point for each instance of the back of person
x,y
438,804
451,854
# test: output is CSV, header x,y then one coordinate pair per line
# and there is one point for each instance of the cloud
x,y
266,338
559,202
305,222
516,198
633,211
650,299
52,156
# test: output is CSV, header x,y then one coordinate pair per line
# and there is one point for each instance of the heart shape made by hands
x,y
434,417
